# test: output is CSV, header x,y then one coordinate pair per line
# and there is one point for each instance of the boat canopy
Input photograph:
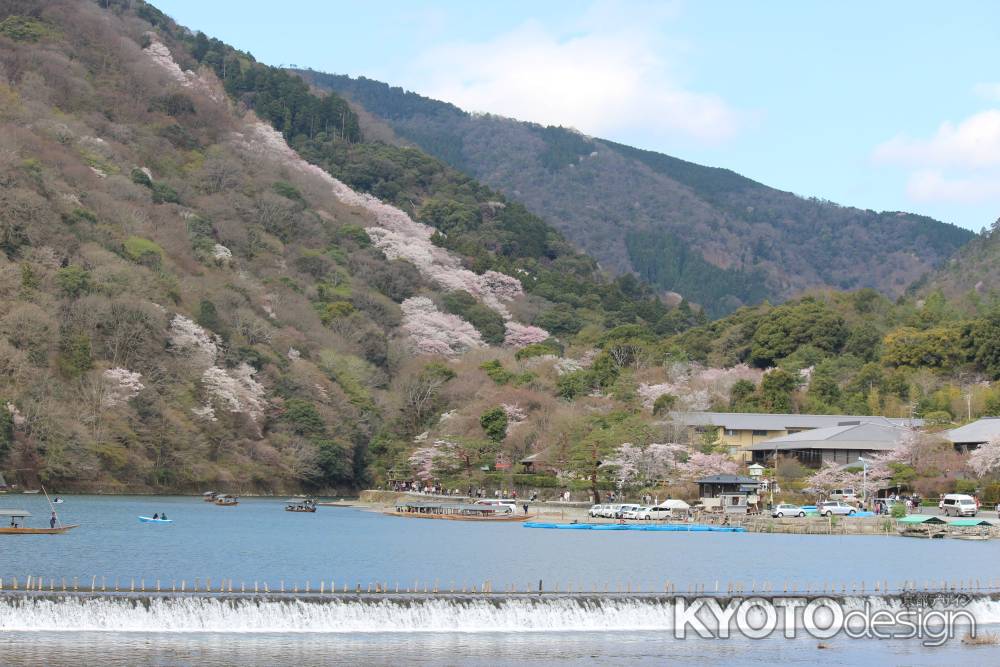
x,y
15,513
446,508
969,522
921,518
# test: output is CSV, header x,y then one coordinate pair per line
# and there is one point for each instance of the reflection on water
x,y
71,650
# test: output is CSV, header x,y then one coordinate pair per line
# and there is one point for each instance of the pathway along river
x,y
258,541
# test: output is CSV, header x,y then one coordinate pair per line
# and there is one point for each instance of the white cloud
x,y
959,163
934,186
609,71
974,142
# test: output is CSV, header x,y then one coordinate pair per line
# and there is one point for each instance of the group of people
x,y
883,505
160,516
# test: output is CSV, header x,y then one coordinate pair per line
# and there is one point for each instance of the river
x,y
257,542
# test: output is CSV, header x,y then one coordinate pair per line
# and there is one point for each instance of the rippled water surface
x,y
257,540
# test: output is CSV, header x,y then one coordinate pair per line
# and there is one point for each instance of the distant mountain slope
x,y
973,272
719,238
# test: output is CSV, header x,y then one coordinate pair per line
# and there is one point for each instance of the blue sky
x,y
886,105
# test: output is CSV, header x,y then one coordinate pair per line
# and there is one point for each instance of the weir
x,y
442,612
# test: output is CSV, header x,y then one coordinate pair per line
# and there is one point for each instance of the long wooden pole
x,y
51,506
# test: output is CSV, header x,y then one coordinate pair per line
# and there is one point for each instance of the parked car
x,y
656,512
832,507
595,511
627,511
787,509
959,504
635,513
610,511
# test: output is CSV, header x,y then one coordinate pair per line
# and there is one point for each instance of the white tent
x,y
675,505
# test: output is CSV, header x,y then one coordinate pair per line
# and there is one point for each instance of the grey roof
x,y
978,432
780,422
15,513
865,436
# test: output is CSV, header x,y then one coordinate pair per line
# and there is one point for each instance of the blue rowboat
x,y
149,519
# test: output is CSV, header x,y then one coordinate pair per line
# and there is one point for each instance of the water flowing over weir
x,y
276,613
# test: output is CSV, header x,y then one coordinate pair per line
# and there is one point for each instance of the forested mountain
x,y
718,238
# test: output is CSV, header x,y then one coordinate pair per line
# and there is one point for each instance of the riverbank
x,y
570,512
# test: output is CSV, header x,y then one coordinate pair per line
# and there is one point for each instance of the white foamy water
x,y
194,614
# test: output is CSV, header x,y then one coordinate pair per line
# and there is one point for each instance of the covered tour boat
x,y
17,527
227,500
456,512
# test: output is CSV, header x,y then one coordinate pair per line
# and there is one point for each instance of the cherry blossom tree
x,y
236,390
190,340
434,332
985,460
120,385
520,335
634,465
701,465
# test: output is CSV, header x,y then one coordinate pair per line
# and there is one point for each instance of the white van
x,y
959,504
847,495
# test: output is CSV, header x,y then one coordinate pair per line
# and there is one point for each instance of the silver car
x,y
787,509
831,507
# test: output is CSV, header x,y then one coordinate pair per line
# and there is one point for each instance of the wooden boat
x,y
300,505
227,501
209,496
16,519
456,512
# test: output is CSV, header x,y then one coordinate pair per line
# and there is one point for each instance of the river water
x,y
258,542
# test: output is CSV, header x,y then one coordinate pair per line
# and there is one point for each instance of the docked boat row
x,y
935,527
456,511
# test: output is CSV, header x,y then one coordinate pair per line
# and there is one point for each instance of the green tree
x,y
73,280
776,391
741,396
985,343
494,422
75,356
788,327
664,404
303,418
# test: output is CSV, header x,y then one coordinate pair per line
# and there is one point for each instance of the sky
x,y
890,105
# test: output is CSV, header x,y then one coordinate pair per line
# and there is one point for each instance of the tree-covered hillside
x,y
187,302
718,238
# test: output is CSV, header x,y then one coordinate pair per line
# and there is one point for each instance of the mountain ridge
x,y
720,238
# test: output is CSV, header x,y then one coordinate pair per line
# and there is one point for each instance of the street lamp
x,y
864,481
